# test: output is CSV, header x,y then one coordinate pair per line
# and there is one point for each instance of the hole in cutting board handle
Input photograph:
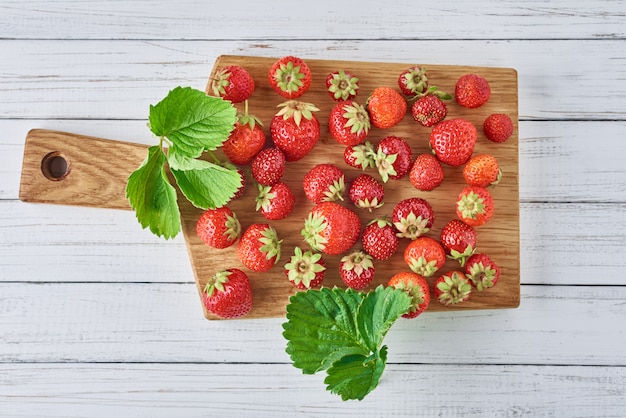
x,y
55,166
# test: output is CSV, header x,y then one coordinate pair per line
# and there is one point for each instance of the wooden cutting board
x,y
70,169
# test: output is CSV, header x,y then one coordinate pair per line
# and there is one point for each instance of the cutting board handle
x,y
71,169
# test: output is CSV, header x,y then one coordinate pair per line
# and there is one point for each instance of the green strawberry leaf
x,y
354,376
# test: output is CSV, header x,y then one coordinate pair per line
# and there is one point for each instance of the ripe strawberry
x,y
475,206
228,294
481,271
268,166
498,127
452,288
295,129
459,240
218,228
429,110
259,247
360,156
233,83
472,90
413,81
357,269
386,107
482,170
425,256
324,183
412,217
379,239
417,288
290,77
276,201
305,270
348,123
393,158
342,85
426,172
331,228
366,192
453,141
246,139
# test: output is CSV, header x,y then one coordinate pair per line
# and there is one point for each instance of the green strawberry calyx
x,y
245,118
221,81
414,290
423,267
364,155
462,257
343,85
416,81
482,276
454,289
271,244
264,198
411,226
335,190
384,164
357,261
357,118
289,77
303,267
233,227
216,283
297,110
314,225
471,205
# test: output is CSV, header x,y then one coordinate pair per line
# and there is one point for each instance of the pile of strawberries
x,y
332,226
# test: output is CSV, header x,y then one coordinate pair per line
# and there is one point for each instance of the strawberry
x,y
290,77
276,201
417,288
268,166
295,129
228,294
305,270
245,140
482,170
412,217
481,271
426,172
360,156
386,107
498,127
453,141
324,183
348,123
357,269
429,110
452,288
425,256
472,90
342,85
218,228
331,228
393,158
259,247
379,239
413,81
366,192
475,206
459,240
233,83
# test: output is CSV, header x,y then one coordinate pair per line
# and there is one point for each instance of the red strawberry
x,y
481,271
357,269
393,158
246,139
386,107
348,123
290,77
259,247
412,217
379,239
233,83
228,294
425,256
295,129
459,240
366,192
218,228
331,228
498,127
482,170
452,288
429,110
413,81
305,270
360,156
475,206
342,85
268,166
426,172
472,90
276,201
453,141
324,183
417,288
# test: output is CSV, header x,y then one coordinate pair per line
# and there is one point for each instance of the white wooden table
x,y
100,318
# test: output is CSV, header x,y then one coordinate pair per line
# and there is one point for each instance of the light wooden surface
x,y
99,318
